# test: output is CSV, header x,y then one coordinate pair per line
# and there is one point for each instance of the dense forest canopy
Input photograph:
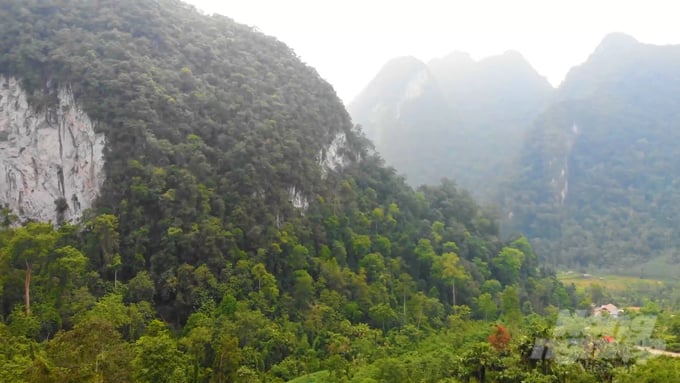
x,y
246,230
586,171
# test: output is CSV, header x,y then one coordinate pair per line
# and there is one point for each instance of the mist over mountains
x,y
452,117
182,199
231,220
588,170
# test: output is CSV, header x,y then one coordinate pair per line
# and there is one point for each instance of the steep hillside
x,y
492,89
466,121
402,110
239,227
599,171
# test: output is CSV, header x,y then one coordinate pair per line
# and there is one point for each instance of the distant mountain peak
x,y
615,42
507,60
618,38
511,53
455,57
620,59
404,61
397,70
435,120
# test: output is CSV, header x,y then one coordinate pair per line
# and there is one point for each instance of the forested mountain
x,y
454,117
244,230
587,171
598,178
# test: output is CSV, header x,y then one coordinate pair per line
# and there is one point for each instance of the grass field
x,y
315,377
610,282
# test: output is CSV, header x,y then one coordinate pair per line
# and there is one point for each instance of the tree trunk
x,y
404,302
27,288
453,292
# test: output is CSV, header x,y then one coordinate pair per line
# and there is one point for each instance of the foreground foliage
x,y
198,265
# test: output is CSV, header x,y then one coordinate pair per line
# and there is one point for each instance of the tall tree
x,y
29,248
486,306
105,230
157,357
447,267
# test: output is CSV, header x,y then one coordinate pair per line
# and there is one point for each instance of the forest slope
x,y
598,175
245,230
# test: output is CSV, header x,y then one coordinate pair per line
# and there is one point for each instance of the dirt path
x,y
654,351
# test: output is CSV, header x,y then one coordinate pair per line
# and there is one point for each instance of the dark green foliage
x,y
195,265
208,123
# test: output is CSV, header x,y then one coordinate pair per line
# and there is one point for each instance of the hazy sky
x,y
348,41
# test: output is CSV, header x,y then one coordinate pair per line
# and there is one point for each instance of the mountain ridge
x,y
233,175
568,149
465,101
619,159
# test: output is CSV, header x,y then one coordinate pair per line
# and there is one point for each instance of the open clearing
x,y
610,282
315,377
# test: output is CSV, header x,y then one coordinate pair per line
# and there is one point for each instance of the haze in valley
x,y
348,41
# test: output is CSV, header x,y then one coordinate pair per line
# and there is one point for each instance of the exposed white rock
x,y
564,191
47,155
298,200
330,158
416,85
562,182
414,89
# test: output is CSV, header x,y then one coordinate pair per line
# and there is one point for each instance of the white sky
x,y
349,41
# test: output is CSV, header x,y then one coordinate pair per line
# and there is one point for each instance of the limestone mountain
x,y
598,174
453,117
199,162
219,218
201,136
401,110
51,160
244,108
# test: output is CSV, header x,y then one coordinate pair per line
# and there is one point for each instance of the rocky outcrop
x,y
51,160
298,200
330,157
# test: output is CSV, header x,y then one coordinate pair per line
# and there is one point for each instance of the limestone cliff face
x,y
47,156
331,157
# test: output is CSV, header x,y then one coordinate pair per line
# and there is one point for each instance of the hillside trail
x,y
654,351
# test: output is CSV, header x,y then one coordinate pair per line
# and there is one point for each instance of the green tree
x,y
157,358
109,307
15,356
382,314
303,289
140,288
510,305
29,248
105,230
228,358
92,351
448,269
197,343
508,263
656,370
486,306
70,264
